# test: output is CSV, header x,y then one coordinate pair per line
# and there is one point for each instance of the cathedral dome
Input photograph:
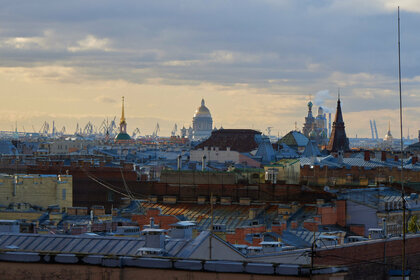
x,y
202,110
388,135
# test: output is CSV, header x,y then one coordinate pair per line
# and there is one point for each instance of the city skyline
x,y
256,64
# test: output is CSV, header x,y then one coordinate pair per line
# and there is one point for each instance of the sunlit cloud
x,y
91,43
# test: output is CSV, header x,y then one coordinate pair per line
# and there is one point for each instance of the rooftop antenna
x,y
401,149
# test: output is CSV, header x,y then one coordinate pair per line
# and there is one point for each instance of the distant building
x,y
122,136
295,140
240,140
202,123
316,128
388,139
37,190
338,140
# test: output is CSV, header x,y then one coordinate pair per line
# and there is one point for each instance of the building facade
x,y
37,190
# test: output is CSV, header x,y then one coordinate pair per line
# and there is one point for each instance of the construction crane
x,y
77,129
88,130
174,131
156,131
136,133
45,128
53,129
112,128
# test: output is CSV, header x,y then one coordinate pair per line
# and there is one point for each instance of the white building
x,y
202,123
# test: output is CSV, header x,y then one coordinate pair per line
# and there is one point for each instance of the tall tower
x,y
122,136
338,140
309,121
123,123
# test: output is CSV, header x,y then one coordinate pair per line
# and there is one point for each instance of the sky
x,y
256,63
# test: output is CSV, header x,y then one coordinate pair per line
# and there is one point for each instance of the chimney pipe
x,y
179,162
367,155
203,164
383,156
329,125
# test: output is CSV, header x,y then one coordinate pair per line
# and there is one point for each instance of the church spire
x,y
338,141
122,112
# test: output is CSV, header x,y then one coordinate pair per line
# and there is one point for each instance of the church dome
x,y
310,105
312,134
202,110
320,111
122,136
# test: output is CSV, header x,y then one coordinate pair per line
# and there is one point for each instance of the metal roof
x,y
82,244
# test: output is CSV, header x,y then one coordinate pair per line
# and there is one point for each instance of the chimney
x,y
155,238
203,164
367,155
179,162
383,156
182,230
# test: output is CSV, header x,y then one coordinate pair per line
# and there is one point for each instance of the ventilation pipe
x,y
203,164
179,162
329,125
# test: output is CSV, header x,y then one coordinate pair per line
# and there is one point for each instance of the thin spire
x,y
122,112
338,94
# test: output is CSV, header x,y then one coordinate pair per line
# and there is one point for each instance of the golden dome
x,y
202,110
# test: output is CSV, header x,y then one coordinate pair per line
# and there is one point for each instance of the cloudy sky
x,y
256,63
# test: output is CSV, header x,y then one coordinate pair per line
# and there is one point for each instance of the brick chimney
x,y
383,156
367,155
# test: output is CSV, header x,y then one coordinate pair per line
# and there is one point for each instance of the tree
x,y
413,224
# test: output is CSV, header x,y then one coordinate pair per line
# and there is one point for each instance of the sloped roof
x,y
240,140
84,244
265,151
294,139
311,150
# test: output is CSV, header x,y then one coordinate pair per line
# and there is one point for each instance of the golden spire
x,y
122,112
389,125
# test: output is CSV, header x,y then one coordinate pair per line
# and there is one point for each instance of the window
x,y
63,194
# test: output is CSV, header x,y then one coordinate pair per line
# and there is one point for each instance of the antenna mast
x,y
401,147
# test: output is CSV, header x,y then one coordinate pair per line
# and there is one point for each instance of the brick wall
x,y
164,221
240,233
366,261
